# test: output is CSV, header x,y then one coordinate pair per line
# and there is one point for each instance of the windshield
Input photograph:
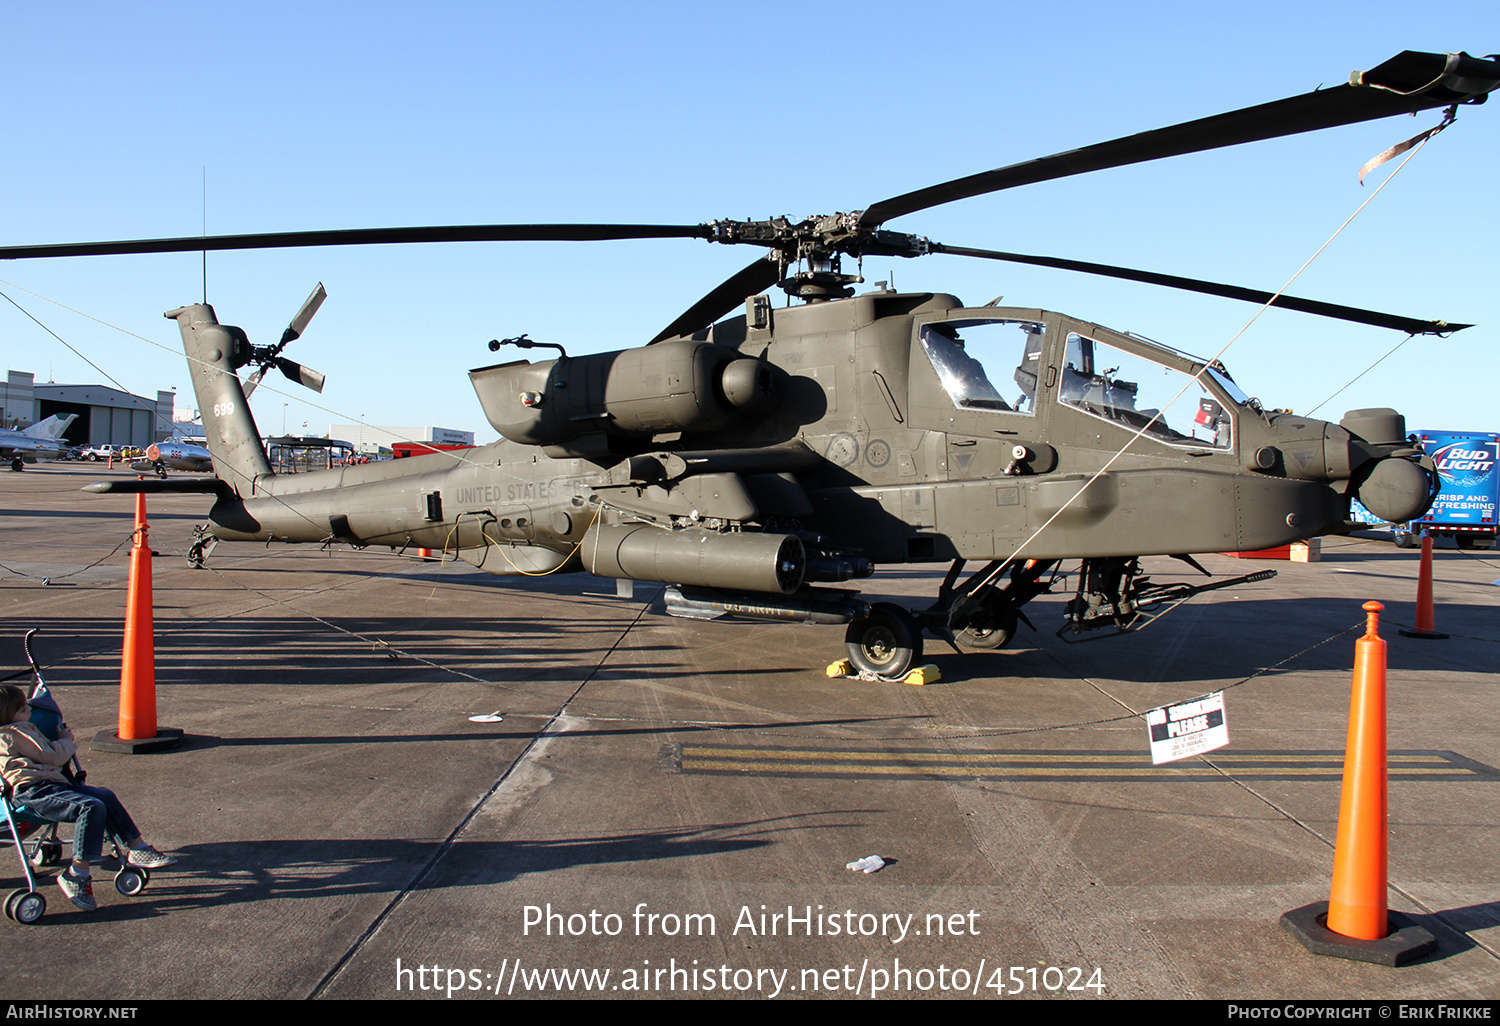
x,y
1116,385
1227,383
975,360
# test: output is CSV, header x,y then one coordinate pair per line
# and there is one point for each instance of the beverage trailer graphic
x,y
1468,466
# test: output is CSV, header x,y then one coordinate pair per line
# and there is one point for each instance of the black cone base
x,y
108,741
1406,942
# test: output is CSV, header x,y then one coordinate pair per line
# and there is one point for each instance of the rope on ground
x,y
62,577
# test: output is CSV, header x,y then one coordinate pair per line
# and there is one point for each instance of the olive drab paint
x,y
752,461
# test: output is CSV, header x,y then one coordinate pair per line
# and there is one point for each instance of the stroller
x,y
35,838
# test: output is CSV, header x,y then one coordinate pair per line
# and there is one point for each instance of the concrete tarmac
x,y
667,806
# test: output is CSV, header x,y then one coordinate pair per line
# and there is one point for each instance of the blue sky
x,y
344,115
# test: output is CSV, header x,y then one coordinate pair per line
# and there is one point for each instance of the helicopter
x,y
755,462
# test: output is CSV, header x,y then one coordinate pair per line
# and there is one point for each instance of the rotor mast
x,y
818,244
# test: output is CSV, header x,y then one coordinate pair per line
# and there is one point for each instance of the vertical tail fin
x,y
52,427
214,351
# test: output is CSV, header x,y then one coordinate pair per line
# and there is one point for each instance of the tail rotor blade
x,y
300,374
253,381
299,322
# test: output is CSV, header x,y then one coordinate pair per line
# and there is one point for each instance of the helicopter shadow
x,y
363,651
1223,641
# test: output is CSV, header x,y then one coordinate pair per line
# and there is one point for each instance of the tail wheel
x,y
887,642
990,633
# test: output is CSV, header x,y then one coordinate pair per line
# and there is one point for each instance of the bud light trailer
x,y
1465,508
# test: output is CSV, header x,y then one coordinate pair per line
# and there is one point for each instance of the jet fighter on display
x,y
42,441
174,454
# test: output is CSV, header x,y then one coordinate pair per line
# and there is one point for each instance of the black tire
x,y
93,457
992,633
1464,541
17,465
1405,540
887,642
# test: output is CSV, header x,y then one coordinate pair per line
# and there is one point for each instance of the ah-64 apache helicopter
x,y
748,462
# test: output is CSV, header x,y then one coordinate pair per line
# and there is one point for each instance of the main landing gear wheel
x,y
886,643
995,632
25,907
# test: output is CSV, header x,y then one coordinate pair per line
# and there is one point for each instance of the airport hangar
x,y
106,416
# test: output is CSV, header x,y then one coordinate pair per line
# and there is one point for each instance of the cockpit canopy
x,y
995,364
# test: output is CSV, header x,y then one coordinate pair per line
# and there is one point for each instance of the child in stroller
x,y
37,776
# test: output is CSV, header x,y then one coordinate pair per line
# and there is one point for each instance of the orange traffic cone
x,y
138,730
1357,923
138,660
1356,906
1426,623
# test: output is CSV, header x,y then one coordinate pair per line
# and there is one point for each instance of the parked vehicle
x,y
1468,464
94,453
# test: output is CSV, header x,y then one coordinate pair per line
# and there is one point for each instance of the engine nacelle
x,y
691,387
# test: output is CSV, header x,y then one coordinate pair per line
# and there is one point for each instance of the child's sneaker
x,y
78,890
149,858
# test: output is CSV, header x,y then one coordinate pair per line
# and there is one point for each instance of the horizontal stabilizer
x,y
152,486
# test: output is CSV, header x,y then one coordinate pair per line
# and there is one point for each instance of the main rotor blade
x,y
368,237
1409,325
757,277
1405,84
